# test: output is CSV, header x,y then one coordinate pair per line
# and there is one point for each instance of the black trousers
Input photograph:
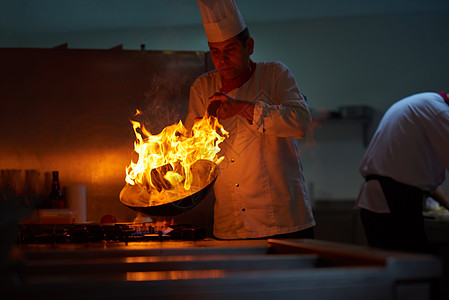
x,y
403,228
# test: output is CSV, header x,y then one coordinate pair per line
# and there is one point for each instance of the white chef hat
x,y
221,19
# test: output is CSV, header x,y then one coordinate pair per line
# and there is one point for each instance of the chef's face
x,y
231,57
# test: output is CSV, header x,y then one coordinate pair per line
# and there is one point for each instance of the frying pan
x,y
204,173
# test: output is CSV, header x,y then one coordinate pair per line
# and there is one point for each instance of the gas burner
x,y
120,232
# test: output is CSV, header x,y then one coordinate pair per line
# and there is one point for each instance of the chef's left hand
x,y
230,107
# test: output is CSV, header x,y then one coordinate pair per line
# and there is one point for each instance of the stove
x,y
106,233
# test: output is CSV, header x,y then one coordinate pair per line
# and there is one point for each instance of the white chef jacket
x,y
260,190
410,145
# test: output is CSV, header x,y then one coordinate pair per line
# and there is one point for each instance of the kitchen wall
x,y
69,110
363,61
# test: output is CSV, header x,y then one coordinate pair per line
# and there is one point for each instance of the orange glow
x,y
165,161
174,275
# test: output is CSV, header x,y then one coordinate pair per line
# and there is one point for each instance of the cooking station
x,y
136,261
143,260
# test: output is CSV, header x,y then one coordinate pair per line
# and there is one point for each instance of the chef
x,y
260,191
405,162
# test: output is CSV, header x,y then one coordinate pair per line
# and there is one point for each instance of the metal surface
x,y
213,269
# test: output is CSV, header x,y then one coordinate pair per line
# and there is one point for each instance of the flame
x,y
165,160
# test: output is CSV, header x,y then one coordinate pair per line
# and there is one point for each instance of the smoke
x,y
166,101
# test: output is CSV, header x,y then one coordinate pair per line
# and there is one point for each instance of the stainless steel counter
x,y
212,269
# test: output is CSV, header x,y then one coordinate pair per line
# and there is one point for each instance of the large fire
x,y
168,163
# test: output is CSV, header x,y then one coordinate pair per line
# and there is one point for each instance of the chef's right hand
x,y
226,107
213,107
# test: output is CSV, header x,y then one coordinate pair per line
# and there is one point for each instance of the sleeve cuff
x,y
258,117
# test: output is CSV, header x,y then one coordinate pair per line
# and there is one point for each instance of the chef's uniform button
x,y
237,185
243,209
232,160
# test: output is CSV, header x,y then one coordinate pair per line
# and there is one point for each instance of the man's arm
x,y
230,107
440,196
